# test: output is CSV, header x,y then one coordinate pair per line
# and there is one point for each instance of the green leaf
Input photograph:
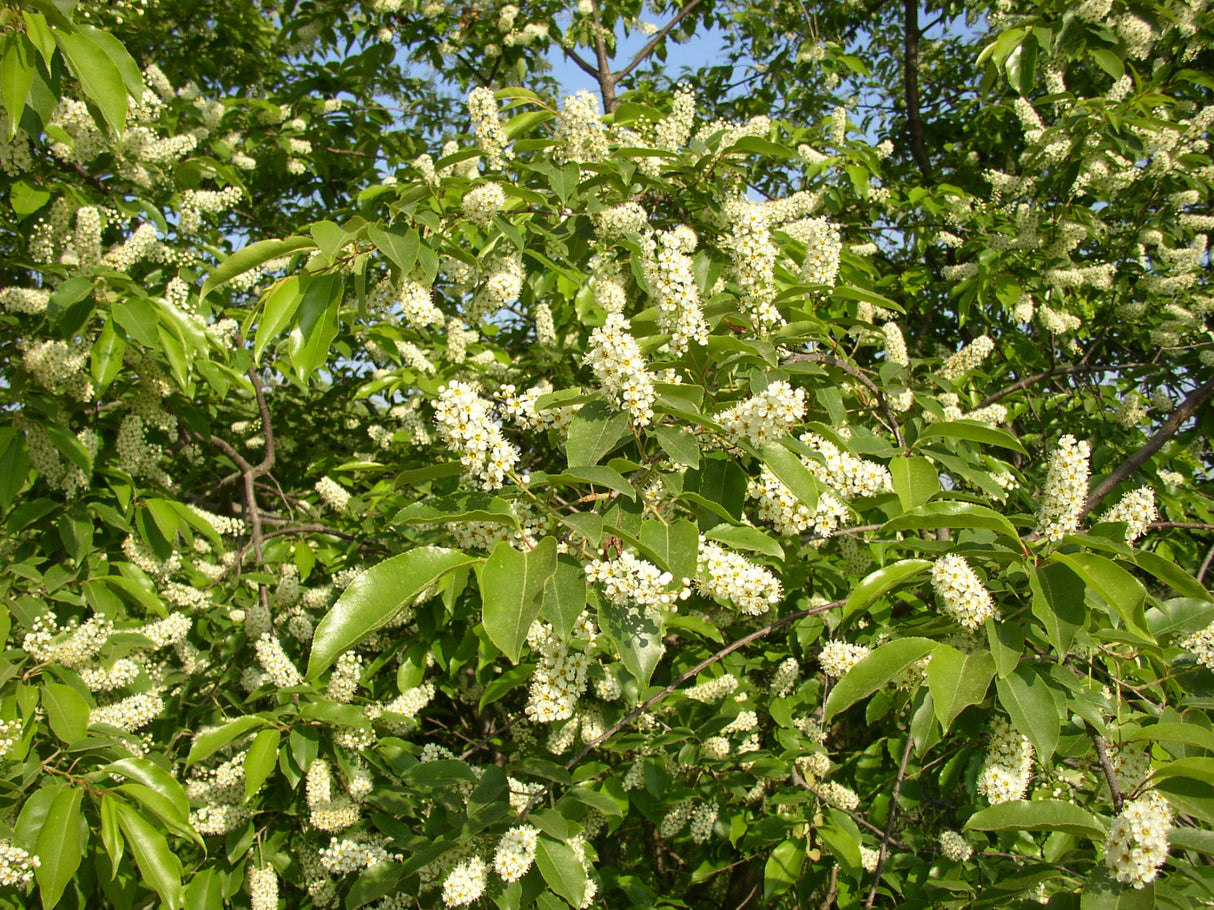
x,y
1200,768
66,711
1196,839
916,480
373,883
132,78
741,537
783,867
1117,587
512,590
679,444
1170,574
458,507
1103,892
100,79
1109,61
878,668
597,475
206,744
157,863
260,760
1034,708
153,776
1186,734
16,77
309,342
372,599
278,308
676,545
793,474
637,637
958,680
105,360
562,870
506,682
1058,603
950,514
400,247
884,579
250,257
111,831
564,595
1006,640
1037,815
594,431
205,891
60,845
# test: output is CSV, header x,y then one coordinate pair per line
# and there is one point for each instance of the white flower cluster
x,y
129,714
102,679
895,344
263,888
326,812
618,220
581,135
465,883
347,854
1137,509
482,202
703,820
72,646
838,657
1066,488
731,577
869,859
560,676
788,514
970,357
333,494
750,247
839,796
343,681
490,137
714,690
823,246
1138,839
417,304
16,865
515,852
786,677
1202,645
273,659
964,596
851,476
954,847
1008,766
630,581
466,425
30,301
671,281
620,366
765,417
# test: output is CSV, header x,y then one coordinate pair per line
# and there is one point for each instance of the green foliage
x,y
412,504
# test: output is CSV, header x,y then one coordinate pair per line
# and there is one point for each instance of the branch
x,y
1180,525
910,79
1205,565
1052,374
1187,408
858,374
579,62
1106,765
887,835
606,80
267,427
656,40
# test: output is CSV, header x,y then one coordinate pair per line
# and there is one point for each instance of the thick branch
x,y
580,63
657,39
267,428
888,834
606,79
910,79
1106,765
1187,409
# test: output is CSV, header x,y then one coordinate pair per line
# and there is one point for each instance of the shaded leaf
x,y
512,590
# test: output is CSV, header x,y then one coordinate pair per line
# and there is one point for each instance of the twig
x,y
656,40
887,835
1187,408
579,62
1205,565
1035,378
1180,526
1106,765
857,374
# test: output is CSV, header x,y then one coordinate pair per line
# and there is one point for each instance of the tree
x,y
677,507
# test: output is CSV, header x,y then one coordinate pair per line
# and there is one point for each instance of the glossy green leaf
x,y
880,667
793,474
676,545
512,590
375,597
208,743
16,78
458,507
260,760
879,582
60,845
98,76
1117,587
250,257
1101,891
1037,815
958,680
680,445
951,514
637,637
562,870
66,711
1035,708
316,327
1058,603
564,595
151,775
158,864
916,480
594,431
783,867
278,308
598,476
399,244
741,537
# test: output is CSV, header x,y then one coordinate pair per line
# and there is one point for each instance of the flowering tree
x,y
661,507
